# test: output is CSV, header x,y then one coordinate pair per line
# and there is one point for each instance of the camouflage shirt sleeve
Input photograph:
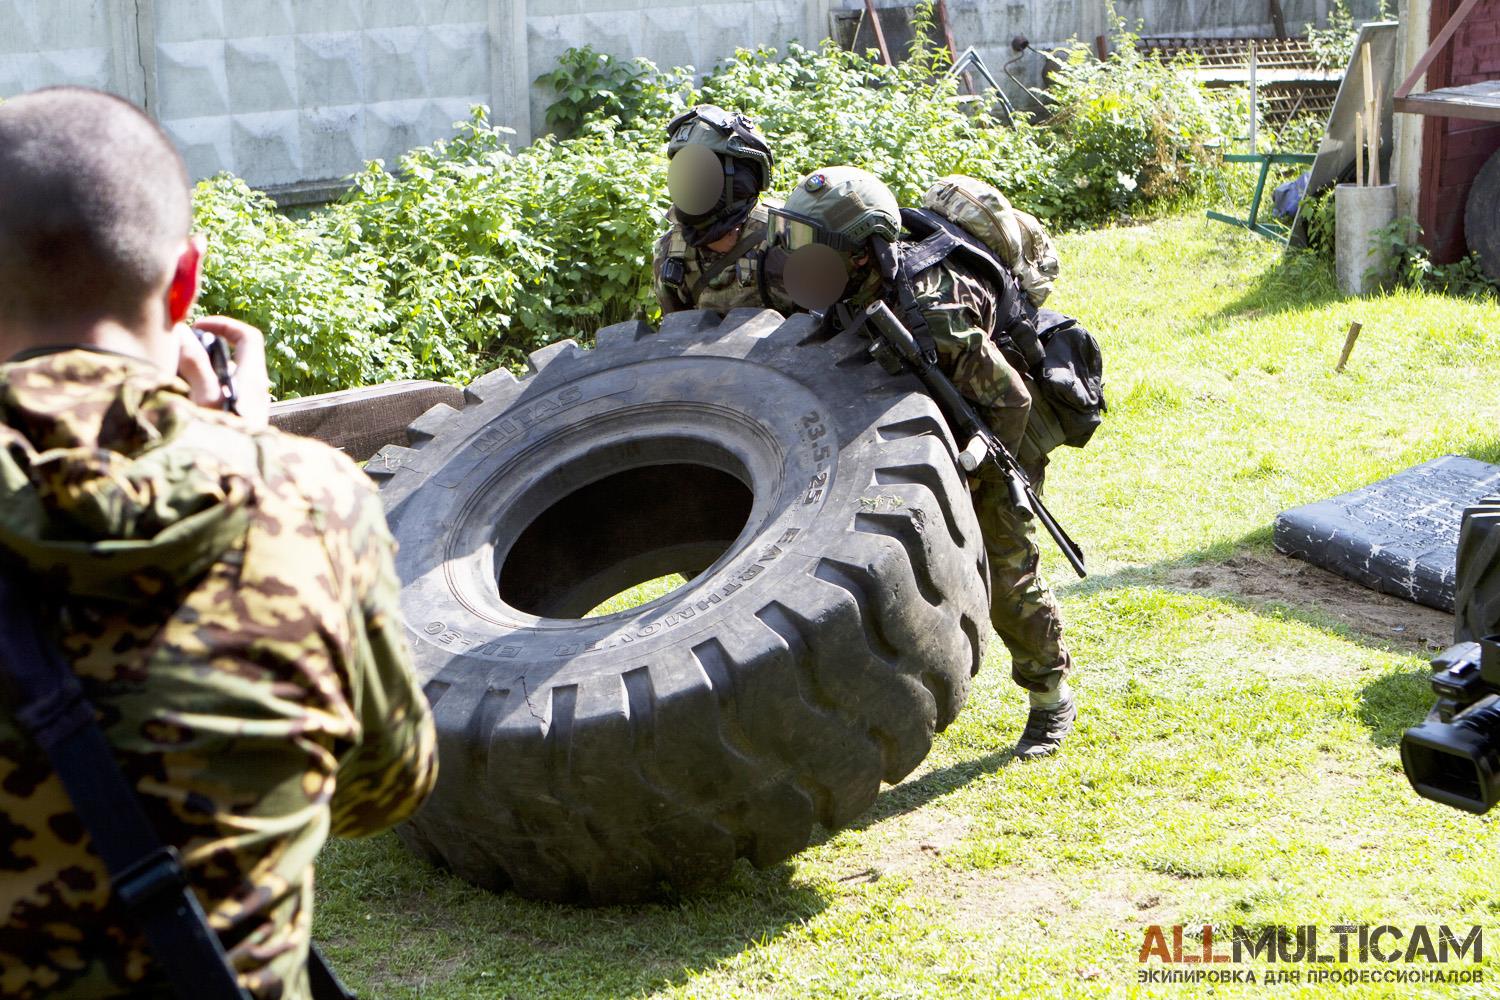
x,y
960,314
388,775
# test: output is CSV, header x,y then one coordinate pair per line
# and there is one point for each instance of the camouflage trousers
x,y
1022,609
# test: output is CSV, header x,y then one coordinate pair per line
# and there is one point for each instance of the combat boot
x,y
1046,728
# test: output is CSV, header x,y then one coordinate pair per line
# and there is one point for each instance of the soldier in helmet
x,y
714,255
841,231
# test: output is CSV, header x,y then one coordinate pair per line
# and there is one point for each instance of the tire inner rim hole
x,y
628,528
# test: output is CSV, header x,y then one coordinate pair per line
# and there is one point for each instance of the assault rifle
x,y
896,349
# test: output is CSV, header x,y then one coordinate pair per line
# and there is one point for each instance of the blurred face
x,y
819,263
816,276
695,180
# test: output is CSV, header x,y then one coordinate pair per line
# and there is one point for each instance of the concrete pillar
x,y
818,23
510,69
1406,153
1361,260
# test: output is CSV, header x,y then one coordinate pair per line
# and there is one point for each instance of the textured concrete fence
x,y
302,92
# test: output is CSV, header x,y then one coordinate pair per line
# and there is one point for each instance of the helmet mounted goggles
x,y
793,231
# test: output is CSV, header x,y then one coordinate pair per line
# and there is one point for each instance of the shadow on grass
x,y
1299,280
910,796
1393,702
395,926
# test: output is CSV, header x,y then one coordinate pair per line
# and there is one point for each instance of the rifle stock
x,y
893,336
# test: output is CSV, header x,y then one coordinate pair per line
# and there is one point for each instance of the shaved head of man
x,y
95,215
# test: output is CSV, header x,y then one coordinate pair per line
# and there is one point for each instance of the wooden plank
x,y
1451,102
359,422
885,50
942,13
1278,18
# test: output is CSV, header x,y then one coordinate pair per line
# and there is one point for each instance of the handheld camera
x,y
1454,756
218,356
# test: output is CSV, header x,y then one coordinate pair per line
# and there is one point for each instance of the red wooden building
x,y
1463,79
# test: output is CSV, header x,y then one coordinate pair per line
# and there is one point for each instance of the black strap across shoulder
x,y
939,238
731,256
147,875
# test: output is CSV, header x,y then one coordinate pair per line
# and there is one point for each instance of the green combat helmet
x,y
840,207
718,166
828,220
724,133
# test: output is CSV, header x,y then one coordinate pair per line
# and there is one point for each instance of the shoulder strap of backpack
x,y
942,238
147,875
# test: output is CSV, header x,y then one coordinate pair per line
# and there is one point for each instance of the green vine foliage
x,y
317,290
470,257
1129,132
590,85
1333,44
1414,268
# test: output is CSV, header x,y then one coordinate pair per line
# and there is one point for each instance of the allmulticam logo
x,y
1417,950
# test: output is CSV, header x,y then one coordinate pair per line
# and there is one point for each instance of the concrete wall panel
x,y
190,20
331,138
206,144
330,15
259,18
296,91
272,140
456,62
192,80
262,73
332,66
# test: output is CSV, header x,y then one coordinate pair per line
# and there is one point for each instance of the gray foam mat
x,y
1398,536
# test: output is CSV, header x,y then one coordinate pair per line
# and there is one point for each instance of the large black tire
x,y
1476,604
1482,217
834,616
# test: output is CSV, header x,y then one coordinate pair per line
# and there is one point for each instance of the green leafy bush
x,y
1333,44
1129,132
1414,268
828,106
594,85
470,255
319,294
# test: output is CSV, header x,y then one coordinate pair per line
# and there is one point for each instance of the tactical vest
x,y
937,239
698,279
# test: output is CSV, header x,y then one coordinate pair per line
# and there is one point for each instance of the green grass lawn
x,y
1235,760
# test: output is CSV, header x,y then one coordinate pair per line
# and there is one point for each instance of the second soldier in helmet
x,y
841,228
715,254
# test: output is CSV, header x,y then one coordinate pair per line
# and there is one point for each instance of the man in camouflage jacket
x,y
224,592
842,213
714,253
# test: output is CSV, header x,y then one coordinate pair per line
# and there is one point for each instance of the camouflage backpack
x,y
1017,238
1063,362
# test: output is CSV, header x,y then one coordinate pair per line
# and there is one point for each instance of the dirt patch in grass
x,y
1264,579
1004,897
